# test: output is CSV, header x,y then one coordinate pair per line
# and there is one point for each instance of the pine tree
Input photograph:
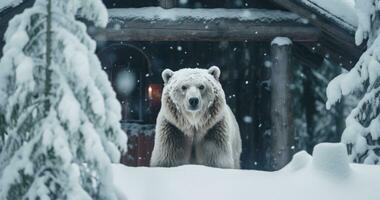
x,y
60,129
362,132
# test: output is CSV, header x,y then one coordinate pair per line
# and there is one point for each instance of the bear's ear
x,y
166,75
214,71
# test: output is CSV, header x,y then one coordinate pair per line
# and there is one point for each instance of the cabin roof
x,y
335,20
341,12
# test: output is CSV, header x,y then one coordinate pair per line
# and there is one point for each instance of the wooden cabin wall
x,y
246,79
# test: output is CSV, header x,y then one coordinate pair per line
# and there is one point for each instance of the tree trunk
x,y
48,58
282,133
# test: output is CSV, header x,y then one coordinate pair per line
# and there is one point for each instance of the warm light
x,y
154,100
150,92
154,93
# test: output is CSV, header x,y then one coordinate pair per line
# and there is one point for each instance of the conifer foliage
x,y
59,116
362,133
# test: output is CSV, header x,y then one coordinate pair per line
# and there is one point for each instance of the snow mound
x,y
332,159
304,178
300,161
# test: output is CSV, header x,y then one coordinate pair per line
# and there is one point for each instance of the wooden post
x,y
282,133
168,3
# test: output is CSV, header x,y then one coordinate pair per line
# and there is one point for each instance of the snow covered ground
x,y
325,176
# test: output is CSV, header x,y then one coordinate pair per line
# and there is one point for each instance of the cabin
x,y
273,54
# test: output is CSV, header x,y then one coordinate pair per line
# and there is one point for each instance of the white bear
x,y
195,125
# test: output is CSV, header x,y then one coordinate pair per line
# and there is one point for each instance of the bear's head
x,y
193,96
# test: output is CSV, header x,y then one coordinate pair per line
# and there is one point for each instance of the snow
x,y
304,177
333,92
332,159
24,71
4,4
343,9
69,111
367,69
375,128
281,41
156,13
365,10
77,56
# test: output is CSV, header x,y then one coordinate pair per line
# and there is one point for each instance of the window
x,y
128,71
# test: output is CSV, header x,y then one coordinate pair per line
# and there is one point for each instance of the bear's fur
x,y
190,131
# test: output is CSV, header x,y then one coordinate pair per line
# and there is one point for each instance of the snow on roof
x,y
4,4
156,13
327,175
281,41
343,9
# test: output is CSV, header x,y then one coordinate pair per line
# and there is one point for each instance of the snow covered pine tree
x,y
61,115
362,133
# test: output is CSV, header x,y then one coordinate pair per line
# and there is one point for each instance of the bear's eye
x,y
184,87
201,87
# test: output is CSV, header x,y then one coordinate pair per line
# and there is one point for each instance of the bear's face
x,y
192,91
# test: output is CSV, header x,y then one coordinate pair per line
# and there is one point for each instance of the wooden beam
x,y
193,28
281,119
223,33
168,3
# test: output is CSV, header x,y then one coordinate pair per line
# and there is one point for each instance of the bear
x,y
195,125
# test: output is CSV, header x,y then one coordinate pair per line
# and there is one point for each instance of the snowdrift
x,y
327,175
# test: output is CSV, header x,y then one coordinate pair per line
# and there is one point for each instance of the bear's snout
x,y
193,102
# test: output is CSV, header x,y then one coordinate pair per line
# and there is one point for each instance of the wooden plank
x,y
192,28
281,119
162,34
